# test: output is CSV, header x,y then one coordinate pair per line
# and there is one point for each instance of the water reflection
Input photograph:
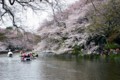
x,y
56,69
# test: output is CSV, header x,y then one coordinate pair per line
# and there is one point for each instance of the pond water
x,y
45,68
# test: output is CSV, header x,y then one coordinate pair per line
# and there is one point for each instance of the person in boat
x,y
34,54
30,54
25,57
10,54
22,53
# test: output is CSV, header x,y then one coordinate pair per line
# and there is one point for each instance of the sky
x,y
29,19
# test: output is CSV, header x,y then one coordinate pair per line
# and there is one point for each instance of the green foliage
x,y
64,38
76,50
105,21
114,57
2,37
9,28
112,46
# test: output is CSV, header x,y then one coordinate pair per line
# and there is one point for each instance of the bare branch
x,y
12,2
24,3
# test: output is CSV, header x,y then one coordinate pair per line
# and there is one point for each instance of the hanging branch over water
x,y
24,3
